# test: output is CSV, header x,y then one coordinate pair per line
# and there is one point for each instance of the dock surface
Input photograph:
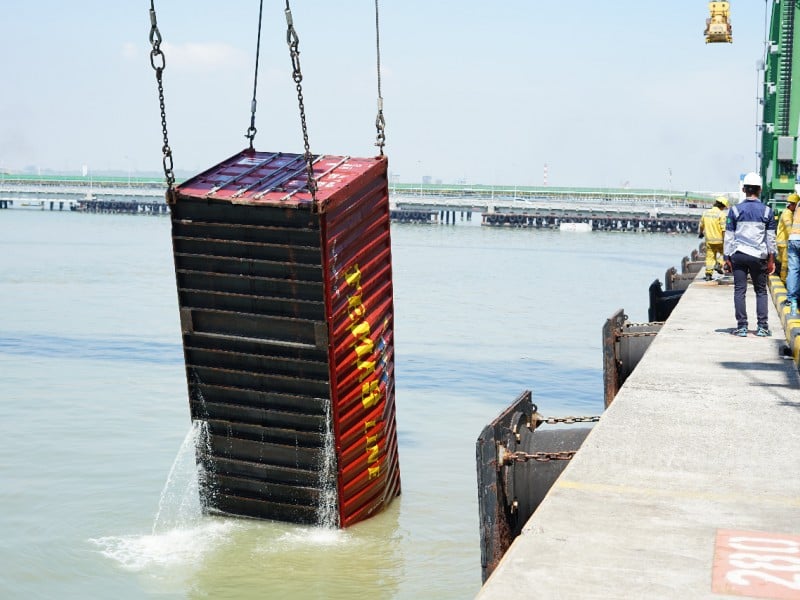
x,y
689,486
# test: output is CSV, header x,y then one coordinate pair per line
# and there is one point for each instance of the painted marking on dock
x,y
756,564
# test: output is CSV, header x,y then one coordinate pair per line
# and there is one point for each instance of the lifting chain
x,y
297,76
505,457
380,121
158,62
251,131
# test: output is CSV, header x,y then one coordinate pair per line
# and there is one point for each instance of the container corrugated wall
x,y
287,318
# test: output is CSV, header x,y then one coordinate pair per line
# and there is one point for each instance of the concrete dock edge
x,y
703,439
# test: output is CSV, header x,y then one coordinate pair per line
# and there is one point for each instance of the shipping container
x,y
287,317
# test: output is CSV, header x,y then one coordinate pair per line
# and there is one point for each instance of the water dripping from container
x,y
179,504
327,511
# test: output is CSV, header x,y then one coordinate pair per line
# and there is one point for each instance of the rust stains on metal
x,y
517,464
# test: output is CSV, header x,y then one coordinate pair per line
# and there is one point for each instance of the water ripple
x,y
120,348
490,379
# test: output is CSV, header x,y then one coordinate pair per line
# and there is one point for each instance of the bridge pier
x,y
445,216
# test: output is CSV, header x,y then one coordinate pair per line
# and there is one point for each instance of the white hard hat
x,y
752,179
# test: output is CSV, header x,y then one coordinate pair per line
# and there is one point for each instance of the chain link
x,y
158,62
564,420
297,76
538,456
380,121
625,331
637,334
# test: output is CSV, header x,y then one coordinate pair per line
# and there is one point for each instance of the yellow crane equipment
x,y
718,24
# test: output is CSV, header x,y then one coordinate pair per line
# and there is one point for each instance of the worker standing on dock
x,y
712,227
750,249
793,260
782,236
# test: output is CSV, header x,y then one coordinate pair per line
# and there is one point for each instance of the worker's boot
x,y
708,276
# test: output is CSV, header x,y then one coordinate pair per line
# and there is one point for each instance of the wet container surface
x,y
286,310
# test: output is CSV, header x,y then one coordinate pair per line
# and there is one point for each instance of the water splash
x,y
180,534
328,509
179,504
302,538
185,546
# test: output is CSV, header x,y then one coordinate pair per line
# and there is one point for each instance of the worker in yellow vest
x,y
782,234
793,258
712,226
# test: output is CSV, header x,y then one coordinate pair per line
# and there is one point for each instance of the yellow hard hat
x,y
792,199
722,200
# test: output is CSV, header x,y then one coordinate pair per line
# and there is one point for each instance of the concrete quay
x,y
689,486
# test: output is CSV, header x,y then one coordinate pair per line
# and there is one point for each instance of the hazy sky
x,y
604,93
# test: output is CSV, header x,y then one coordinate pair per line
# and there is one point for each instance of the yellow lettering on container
x,y
360,330
354,300
363,349
368,366
353,276
356,312
372,453
370,393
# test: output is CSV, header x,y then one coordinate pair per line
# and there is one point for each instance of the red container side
x,y
358,266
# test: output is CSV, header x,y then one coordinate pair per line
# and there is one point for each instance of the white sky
x,y
604,93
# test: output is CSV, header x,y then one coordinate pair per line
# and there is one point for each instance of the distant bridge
x,y
486,196
76,191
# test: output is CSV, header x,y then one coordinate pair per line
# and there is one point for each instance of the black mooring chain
x,y
505,457
564,420
158,62
297,76
538,456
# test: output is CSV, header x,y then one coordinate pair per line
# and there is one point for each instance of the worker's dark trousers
x,y
744,264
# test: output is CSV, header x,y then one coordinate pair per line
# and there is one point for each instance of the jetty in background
x,y
605,209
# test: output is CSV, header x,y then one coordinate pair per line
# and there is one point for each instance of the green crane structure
x,y
781,105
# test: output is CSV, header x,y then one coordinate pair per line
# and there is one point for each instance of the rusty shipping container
x,y
287,317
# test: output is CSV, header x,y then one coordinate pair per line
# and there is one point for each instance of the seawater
x,y
98,493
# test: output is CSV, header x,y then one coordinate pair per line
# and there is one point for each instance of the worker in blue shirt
x,y
749,249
